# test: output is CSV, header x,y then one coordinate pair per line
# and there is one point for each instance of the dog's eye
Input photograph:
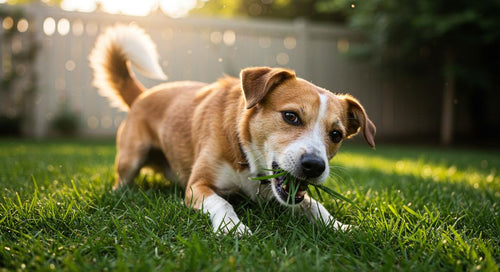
x,y
336,136
291,118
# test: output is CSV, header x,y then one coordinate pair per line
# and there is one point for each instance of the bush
x,y
65,123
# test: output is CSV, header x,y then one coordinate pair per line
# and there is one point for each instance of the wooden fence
x,y
206,48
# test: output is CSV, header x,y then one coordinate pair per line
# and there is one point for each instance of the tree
x,y
458,39
17,76
275,9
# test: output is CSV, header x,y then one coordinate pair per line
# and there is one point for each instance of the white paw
x,y
336,225
224,219
317,212
229,226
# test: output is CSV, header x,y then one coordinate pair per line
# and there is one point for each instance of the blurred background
x,y
427,71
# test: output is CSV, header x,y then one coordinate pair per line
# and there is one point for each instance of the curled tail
x,y
115,51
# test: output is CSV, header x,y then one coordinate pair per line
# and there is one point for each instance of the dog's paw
x,y
317,213
224,218
229,227
336,225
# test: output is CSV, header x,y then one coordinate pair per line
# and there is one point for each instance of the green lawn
x,y
419,209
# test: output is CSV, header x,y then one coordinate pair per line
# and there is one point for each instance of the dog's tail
x,y
115,51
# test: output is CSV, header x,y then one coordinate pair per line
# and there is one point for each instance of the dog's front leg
x,y
315,211
224,218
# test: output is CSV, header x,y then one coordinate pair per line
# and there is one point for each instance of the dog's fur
x,y
213,138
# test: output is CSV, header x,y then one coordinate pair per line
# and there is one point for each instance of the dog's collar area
x,y
244,162
265,182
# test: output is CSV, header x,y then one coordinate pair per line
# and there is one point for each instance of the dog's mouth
x,y
290,189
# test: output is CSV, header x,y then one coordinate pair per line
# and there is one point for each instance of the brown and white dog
x,y
213,138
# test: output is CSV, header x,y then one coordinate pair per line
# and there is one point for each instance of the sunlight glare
x,y
177,8
49,26
22,25
172,8
78,5
63,26
130,7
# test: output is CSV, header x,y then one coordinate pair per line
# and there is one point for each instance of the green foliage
x,y
456,40
272,9
65,122
420,209
18,79
422,32
223,8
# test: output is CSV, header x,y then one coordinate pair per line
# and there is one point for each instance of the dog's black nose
x,y
312,166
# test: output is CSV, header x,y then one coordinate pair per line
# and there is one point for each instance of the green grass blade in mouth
x,y
287,179
269,176
318,192
293,189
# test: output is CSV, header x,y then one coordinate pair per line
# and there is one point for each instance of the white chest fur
x,y
229,181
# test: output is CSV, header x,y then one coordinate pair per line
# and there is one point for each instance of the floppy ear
x,y
358,119
257,82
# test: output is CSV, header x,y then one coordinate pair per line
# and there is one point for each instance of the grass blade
x,y
335,194
269,176
318,192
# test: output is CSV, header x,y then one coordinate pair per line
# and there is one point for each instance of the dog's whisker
x,y
336,166
337,172
336,177
338,169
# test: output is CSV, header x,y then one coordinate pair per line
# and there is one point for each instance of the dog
x,y
212,139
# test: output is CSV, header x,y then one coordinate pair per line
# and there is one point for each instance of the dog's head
x,y
293,125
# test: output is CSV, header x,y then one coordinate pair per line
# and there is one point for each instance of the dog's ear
x,y
257,82
358,119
